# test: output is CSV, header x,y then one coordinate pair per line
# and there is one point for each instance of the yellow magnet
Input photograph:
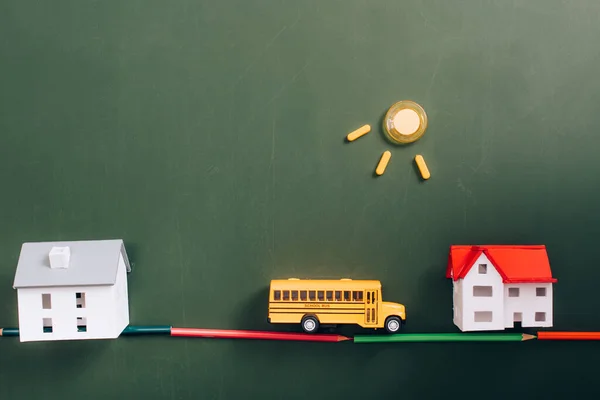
x,y
385,159
422,167
363,130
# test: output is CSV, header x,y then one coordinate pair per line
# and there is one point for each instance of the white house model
x,y
72,290
498,286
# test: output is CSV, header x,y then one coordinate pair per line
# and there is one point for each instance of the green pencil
x,y
129,330
444,337
9,331
147,330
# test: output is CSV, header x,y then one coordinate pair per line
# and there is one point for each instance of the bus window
x,y
346,295
311,295
329,295
321,295
303,295
368,316
338,295
277,295
286,295
294,295
357,296
368,297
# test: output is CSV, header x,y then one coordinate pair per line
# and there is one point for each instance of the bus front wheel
x,y
393,324
310,324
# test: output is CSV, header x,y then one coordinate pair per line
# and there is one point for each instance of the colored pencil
x,y
130,330
568,335
147,330
235,334
444,337
9,331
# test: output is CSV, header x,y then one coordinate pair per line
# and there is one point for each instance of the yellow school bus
x,y
345,301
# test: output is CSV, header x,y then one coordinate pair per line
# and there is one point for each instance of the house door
x,y
371,307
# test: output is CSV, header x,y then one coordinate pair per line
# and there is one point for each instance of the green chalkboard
x,y
209,136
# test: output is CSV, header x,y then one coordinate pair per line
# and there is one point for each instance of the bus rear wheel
x,y
310,324
393,324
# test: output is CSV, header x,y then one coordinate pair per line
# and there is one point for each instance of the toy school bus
x,y
345,301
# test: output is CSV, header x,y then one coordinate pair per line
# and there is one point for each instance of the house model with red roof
x,y
499,286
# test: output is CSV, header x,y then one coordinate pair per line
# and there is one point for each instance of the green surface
x,y
440,337
210,137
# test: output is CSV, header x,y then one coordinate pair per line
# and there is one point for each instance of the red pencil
x,y
235,334
568,335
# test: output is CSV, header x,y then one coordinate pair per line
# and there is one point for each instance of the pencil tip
x,y
528,337
343,338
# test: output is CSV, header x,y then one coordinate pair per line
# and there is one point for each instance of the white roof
x,y
93,262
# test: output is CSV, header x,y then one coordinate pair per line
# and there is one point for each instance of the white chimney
x,y
60,257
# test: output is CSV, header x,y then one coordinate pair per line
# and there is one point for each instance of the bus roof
x,y
325,284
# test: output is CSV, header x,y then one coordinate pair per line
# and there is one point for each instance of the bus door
x,y
371,303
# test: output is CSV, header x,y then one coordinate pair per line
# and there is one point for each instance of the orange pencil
x,y
568,335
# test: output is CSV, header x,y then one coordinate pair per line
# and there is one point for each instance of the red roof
x,y
516,264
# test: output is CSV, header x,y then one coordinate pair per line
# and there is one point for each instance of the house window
x,y
513,292
518,317
47,325
46,301
81,324
80,300
483,269
483,316
540,317
540,292
482,291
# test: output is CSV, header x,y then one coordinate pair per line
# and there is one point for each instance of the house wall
x,y
472,304
528,303
120,299
458,303
98,311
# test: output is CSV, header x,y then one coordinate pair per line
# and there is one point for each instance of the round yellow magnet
x,y
363,130
383,162
422,167
405,122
